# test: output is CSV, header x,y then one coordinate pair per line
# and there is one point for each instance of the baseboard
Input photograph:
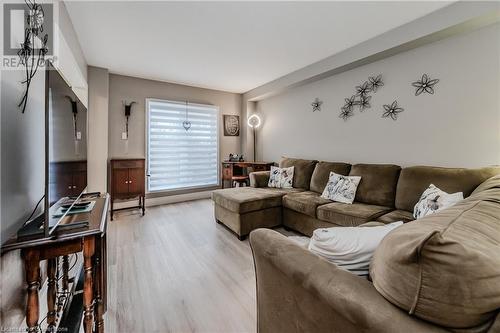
x,y
150,202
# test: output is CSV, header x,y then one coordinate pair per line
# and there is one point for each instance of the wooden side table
x,y
128,179
91,240
235,169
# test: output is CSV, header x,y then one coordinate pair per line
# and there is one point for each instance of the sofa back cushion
x,y
445,267
413,181
378,183
302,172
322,171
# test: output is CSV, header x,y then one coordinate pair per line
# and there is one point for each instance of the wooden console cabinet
x,y
128,179
68,179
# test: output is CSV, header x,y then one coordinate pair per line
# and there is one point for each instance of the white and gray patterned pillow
x,y
433,200
281,177
341,188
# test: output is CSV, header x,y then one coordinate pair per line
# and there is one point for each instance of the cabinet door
x,y
79,182
120,182
136,181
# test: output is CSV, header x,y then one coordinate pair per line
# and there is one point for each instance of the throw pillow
x,y
281,177
433,200
341,188
350,248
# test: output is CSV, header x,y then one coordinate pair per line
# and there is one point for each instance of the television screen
x,y
67,145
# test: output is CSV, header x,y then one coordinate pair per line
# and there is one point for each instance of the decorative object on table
x,y
316,104
433,200
364,89
341,188
392,110
128,110
281,177
29,57
254,123
235,158
186,123
364,102
425,85
361,98
231,125
375,82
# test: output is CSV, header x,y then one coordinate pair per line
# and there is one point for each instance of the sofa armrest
x,y
259,178
297,291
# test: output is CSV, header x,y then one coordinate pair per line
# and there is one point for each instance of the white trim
x,y
150,202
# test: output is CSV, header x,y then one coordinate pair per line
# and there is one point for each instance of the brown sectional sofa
x,y
438,274
386,193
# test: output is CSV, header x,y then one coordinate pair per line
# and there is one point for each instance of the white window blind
x,y
177,158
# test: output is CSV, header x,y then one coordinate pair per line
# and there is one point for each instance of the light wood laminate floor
x,y
176,270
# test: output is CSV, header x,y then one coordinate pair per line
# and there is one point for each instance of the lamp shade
x,y
254,121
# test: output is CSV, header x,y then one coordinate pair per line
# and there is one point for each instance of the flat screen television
x,y
66,148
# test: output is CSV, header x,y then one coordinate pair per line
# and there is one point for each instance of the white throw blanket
x,y
350,248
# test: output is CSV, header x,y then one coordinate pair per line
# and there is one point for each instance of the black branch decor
x,y
375,82
362,97
425,85
364,102
364,89
34,47
392,110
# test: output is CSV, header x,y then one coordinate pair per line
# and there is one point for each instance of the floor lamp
x,y
254,123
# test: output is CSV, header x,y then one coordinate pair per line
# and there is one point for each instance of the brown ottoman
x,y
245,209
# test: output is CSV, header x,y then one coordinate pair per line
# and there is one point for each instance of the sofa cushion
x,y
350,215
302,172
322,171
304,202
445,267
397,215
414,180
378,183
247,199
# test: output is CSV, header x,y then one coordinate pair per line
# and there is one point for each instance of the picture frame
x,y
231,125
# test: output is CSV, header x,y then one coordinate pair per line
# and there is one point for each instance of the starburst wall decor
x,y
392,110
425,85
361,98
316,105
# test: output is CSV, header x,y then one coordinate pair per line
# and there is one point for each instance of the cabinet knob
x,y
74,186
69,187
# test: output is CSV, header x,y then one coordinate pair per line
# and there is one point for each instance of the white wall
x,y
457,126
97,153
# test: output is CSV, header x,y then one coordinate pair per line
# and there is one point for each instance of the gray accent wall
x,y
457,126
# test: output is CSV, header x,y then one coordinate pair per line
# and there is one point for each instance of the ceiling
x,y
231,46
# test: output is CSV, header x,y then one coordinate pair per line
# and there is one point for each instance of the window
x,y
180,158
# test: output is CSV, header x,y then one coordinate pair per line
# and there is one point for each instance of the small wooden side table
x,y
127,181
91,240
231,169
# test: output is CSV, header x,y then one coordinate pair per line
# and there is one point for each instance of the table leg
x,y
88,294
51,294
99,307
32,268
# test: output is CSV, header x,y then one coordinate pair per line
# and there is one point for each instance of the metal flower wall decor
x,y
425,85
34,48
361,98
392,110
316,104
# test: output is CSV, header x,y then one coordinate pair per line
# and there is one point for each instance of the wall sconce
x,y
74,110
128,110
254,122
